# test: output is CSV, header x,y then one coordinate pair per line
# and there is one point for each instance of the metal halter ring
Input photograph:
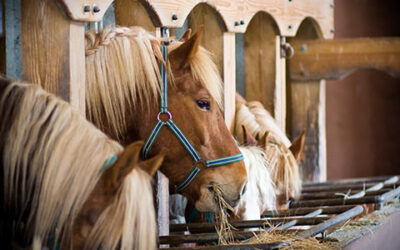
x,y
200,164
168,113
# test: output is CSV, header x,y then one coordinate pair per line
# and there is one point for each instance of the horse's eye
x,y
205,105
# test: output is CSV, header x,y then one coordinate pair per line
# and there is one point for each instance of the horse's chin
x,y
206,206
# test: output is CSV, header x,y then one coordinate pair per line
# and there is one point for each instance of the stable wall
x,y
363,109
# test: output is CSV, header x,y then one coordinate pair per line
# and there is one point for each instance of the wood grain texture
x,y
288,14
305,115
212,38
75,9
53,50
133,13
229,79
335,59
260,60
280,85
306,111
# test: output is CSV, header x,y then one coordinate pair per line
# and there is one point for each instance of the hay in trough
x,y
295,242
225,235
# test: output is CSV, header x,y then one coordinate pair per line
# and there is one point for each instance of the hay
x,y
295,242
224,230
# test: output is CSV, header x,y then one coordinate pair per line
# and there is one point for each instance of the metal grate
x,y
320,207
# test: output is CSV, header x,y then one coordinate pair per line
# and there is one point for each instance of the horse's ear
x,y
298,146
181,56
126,162
263,142
186,36
249,139
151,165
239,100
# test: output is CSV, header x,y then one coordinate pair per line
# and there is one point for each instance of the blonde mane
x,y
122,69
260,191
284,169
52,158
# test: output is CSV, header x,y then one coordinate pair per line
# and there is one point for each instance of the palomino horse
x,y
259,195
124,85
282,156
62,184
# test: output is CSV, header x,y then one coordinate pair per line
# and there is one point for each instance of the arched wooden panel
x,y
237,14
212,40
306,111
134,13
260,63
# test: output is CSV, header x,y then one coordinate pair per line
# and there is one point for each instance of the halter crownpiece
x,y
199,163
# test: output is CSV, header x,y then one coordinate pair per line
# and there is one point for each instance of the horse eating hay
x,y
54,189
124,84
282,156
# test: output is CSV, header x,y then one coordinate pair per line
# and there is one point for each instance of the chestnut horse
x,y
65,183
123,82
283,157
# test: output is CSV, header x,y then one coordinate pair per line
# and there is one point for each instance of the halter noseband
x,y
199,163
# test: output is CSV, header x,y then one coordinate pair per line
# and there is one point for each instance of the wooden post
x,y
229,78
53,53
306,111
280,85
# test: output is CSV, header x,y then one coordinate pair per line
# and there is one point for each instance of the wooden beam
x,y
335,59
237,14
229,79
86,10
53,54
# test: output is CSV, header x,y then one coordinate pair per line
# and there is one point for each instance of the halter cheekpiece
x,y
199,163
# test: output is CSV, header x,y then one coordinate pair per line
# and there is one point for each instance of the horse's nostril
x,y
243,189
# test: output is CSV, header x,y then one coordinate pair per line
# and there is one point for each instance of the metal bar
x,y
295,221
209,227
346,187
211,237
349,181
389,195
303,211
265,246
327,195
336,201
331,222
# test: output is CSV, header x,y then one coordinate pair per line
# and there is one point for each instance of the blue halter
x,y
199,163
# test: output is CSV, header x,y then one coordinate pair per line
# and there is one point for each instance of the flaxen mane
x,y
260,191
284,169
51,160
122,69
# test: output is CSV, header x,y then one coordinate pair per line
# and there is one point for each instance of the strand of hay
x,y
224,230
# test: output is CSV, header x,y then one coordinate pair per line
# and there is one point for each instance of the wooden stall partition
x,y
53,54
222,46
135,13
306,111
264,74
